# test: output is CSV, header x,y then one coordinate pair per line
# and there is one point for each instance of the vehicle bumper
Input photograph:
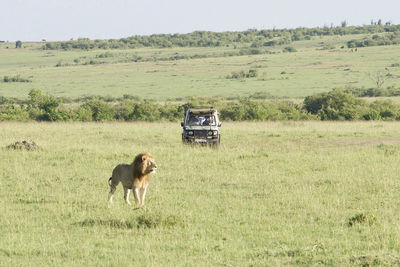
x,y
198,140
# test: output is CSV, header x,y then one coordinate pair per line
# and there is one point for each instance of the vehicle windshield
x,y
200,120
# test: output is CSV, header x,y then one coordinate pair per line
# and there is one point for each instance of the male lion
x,y
135,176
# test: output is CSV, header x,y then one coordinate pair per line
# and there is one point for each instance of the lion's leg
x,y
111,194
136,195
142,195
126,195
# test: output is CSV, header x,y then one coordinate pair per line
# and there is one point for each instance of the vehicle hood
x,y
196,127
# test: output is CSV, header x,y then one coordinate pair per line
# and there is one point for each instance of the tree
x,y
380,78
18,44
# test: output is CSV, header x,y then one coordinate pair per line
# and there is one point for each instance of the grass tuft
x,y
113,223
147,221
157,220
361,218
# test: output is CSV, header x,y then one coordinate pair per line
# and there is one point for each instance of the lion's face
x,y
148,164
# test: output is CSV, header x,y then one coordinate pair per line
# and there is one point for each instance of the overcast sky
x,y
34,20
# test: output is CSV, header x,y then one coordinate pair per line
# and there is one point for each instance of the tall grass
x,y
283,193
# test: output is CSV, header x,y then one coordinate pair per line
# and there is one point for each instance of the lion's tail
x,y
109,181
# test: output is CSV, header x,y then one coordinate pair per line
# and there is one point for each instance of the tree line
x,y
334,105
252,37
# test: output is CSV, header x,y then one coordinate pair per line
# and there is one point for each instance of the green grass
x,y
293,75
277,193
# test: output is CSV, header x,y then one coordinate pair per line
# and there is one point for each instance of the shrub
x,y
372,115
246,109
100,110
361,218
17,78
84,113
13,113
386,109
45,107
336,105
289,49
146,111
252,73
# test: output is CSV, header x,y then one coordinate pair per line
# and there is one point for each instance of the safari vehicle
x,y
201,126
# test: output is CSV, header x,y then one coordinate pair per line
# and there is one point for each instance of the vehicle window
x,y
208,120
201,120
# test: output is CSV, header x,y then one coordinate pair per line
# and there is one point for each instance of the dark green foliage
x,y
146,111
100,110
14,79
253,110
376,40
374,92
83,113
339,105
13,113
253,38
385,110
18,44
44,107
335,105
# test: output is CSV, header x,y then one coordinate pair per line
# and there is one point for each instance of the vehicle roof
x,y
202,110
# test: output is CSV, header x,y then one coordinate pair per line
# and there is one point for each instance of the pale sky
x,y
34,20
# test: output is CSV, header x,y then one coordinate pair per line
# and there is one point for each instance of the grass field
x,y
312,69
277,193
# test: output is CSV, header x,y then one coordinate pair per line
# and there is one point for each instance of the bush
x,y
13,113
146,111
100,110
45,107
17,78
246,109
289,49
252,73
386,109
374,92
84,113
336,105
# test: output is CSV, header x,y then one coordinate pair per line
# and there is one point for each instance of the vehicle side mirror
x,y
219,124
182,124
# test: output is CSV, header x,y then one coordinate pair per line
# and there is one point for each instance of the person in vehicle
x,y
207,121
